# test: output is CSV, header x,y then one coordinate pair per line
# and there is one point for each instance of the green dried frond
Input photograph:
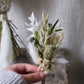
x,y
37,36
58,30
55,24
50,30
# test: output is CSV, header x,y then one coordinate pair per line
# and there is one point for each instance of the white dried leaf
x,y
34,25
32,18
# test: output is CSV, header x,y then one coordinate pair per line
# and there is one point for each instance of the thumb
x,y
34,77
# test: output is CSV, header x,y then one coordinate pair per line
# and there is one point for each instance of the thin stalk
x,y
18,37
15,32
43,81
17,50
12,24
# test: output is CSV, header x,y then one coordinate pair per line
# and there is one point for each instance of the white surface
x,y
71,15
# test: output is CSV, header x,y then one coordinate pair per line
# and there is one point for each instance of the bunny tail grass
x,y
6,49
34,53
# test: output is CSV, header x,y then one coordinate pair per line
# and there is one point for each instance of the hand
x,y
29,72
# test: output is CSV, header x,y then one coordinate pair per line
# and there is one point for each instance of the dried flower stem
x,y
16,33
13,24
17,50
43,81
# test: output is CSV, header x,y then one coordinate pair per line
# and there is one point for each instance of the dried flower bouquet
x,y
45,38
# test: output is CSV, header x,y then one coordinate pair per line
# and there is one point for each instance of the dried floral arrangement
x,y
45,38
42,43
8,43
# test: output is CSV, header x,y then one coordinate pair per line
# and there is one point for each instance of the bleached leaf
x,y
32,18
33,25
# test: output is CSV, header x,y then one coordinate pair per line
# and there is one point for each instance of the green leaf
x,y
55,24
37,36
36,43
58,30
50,29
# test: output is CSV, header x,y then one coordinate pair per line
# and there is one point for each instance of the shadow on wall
x,y
76,74
27,6
76,68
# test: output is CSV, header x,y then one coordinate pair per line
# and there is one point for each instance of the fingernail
x,y
43,75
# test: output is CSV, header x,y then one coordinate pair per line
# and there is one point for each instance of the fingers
x,y
23,68
34,77
29,72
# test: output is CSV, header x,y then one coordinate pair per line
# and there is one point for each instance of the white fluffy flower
x,y
5,5
33,51
6,49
